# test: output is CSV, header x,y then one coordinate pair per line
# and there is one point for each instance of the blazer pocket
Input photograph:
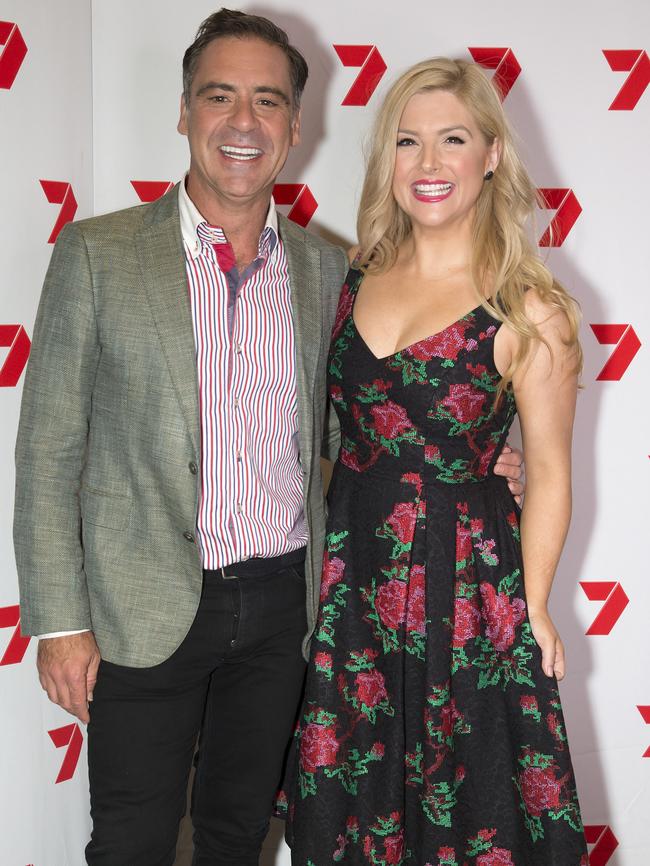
x,y
105,509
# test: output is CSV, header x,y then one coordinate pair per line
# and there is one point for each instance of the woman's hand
x,y
549,642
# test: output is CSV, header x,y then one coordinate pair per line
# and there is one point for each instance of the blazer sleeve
x,y
331,429
52,443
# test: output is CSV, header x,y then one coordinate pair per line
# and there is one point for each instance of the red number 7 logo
x,y
604,842
637,63
615,598
372,70
17,646
627,345
60,192
70,736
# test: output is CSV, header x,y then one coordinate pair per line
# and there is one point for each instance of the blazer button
x,y
193,468
189,536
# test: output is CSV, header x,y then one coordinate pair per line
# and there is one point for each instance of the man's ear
x,y
182,120
295,128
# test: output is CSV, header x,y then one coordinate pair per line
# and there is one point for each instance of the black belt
x,y
258,566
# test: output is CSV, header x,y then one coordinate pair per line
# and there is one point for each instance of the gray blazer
x,y
106,499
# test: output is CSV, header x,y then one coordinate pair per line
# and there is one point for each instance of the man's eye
x,y
267,102
405,142
219,97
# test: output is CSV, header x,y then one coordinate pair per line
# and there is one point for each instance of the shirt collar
x,y
191,219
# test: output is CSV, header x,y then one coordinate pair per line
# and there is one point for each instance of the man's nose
x,y
242,116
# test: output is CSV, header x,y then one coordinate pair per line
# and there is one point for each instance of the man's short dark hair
x,y
229,22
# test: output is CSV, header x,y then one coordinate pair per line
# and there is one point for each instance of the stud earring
x,y
488,175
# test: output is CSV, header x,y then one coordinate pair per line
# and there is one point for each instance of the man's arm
x,y
50,456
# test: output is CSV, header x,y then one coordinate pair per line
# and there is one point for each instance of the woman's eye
x,y
404,142
454,139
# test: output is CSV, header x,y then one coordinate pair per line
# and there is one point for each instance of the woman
x,y
432,732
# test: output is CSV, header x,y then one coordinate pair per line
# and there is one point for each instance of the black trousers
x,y
237,678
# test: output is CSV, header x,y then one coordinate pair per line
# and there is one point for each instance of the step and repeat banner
x,y
89,97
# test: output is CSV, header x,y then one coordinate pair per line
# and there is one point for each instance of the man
x,y
169,502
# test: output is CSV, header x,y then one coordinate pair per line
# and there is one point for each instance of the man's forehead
x,y
246,60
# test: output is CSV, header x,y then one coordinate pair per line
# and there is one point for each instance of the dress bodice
x,y
429,407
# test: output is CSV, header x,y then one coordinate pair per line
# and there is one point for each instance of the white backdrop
x,y
93,103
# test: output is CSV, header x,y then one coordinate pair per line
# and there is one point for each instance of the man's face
x,y
240,122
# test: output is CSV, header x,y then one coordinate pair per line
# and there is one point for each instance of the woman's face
x,y
441,158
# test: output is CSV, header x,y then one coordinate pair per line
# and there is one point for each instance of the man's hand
x,y
510,464
67,669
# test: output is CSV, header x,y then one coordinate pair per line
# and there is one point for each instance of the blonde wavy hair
x,y
502,252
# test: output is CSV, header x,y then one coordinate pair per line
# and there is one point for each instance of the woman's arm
x,y
545,388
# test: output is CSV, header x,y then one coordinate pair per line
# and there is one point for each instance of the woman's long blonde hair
x,y
501,249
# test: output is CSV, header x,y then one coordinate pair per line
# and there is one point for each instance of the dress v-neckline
x,y
410,345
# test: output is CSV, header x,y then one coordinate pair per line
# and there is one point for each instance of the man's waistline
x,y
257,566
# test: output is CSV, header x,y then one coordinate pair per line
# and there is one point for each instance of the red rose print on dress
x,y
464,402
402,521
371,687
528,704
447,344
394,848
501,615
323,659
463,542
486,459
540,790
346,303
496,857
391,603
390,419
415,611
318,747
449,715
467,621
332,573
431,453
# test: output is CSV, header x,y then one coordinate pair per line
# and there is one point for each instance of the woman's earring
x,y
488,175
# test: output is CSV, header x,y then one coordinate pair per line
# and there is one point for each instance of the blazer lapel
x,y
160,248
303,261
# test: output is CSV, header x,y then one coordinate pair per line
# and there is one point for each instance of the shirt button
x,y
238,348
193,468
188,536
239,508
236,403
239,456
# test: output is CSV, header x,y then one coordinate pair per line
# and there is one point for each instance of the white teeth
x,y
240,152
433,188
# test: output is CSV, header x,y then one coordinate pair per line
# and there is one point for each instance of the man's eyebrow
x,y
230,88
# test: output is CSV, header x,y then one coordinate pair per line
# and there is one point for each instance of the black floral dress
x,y
429,735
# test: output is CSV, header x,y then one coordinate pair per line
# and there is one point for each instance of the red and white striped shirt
x,y
251,500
